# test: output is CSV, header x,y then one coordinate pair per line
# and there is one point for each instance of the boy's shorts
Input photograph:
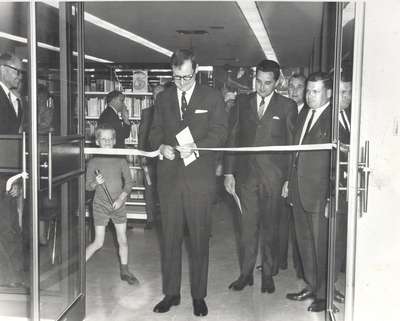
x,y
102,214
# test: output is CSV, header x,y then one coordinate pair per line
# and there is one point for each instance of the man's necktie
x,y
260,110
305,134
184,105
344,120
309,124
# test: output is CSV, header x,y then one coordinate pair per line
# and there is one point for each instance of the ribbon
x,y
282,148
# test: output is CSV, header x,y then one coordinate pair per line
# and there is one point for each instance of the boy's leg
x,y
98,242
126,275
122,242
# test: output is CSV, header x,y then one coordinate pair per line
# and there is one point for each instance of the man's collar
x,y
188,92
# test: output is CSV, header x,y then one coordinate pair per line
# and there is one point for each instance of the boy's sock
x,y
126,275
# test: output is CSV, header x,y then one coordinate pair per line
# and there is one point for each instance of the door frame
x,y
76,309
353,160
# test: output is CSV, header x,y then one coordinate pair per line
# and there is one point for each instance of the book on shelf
x,y
139,81
95,106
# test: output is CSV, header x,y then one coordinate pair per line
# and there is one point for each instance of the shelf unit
x,y
136,102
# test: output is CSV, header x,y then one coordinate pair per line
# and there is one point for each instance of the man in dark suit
x,y
308,189
296,89
11,264
149,164
116,115
186,192
264,118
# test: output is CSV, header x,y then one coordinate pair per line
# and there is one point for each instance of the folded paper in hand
x,y
185,137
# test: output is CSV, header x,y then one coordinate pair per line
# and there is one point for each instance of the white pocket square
x,y
275,117
201,111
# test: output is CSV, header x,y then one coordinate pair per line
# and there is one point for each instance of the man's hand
x,y
14,191
118,203
99,179
167,151
285,189
229,183
186,150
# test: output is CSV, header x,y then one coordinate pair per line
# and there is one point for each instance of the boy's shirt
x,y
116,173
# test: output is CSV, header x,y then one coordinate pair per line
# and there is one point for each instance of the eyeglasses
x,y
185,78
19,71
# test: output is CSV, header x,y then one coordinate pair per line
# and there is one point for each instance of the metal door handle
x,y
24,177
364,170
50,167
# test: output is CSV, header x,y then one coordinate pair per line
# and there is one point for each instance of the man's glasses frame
x,y
185,78
19,71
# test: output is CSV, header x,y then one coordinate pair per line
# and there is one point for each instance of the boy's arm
x,y
126,174
90,176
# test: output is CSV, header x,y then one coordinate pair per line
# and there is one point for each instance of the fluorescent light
x,y
126,34
119,31
48,47
205,68
250,11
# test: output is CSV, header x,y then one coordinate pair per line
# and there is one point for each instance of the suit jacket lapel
x,y
253,107
270,109
195,101
175,104
7,102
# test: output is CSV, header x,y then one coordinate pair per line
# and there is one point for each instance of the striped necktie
x,y
260,110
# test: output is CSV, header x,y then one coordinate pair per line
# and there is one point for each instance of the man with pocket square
x,y
263,118
186,190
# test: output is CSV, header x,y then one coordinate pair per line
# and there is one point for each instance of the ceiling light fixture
x,y
119,31
48,47
252,15
126,34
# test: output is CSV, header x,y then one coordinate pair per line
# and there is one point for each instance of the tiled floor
x,y
109,298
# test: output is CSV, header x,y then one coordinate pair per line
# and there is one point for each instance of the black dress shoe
x,y
339,297
200,307
241,282
267,284
166,303
318,305
259,268
300,296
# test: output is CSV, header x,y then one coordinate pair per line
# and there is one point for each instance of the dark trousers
x,y
181,209
11,264
260,204
150,193
312,237
286,232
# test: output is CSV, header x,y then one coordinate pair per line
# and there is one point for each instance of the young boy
x,y
109,175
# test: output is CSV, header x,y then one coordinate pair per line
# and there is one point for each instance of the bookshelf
x,y
136,99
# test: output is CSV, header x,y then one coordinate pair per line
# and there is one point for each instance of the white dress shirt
x,y
318,112
266,102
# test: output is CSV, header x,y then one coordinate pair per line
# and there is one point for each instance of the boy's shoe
x,y
129,277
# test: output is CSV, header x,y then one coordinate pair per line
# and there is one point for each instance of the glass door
x,y
342,131
41,161
60,187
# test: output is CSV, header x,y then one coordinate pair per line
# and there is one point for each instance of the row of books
x,y
90,128
96,105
